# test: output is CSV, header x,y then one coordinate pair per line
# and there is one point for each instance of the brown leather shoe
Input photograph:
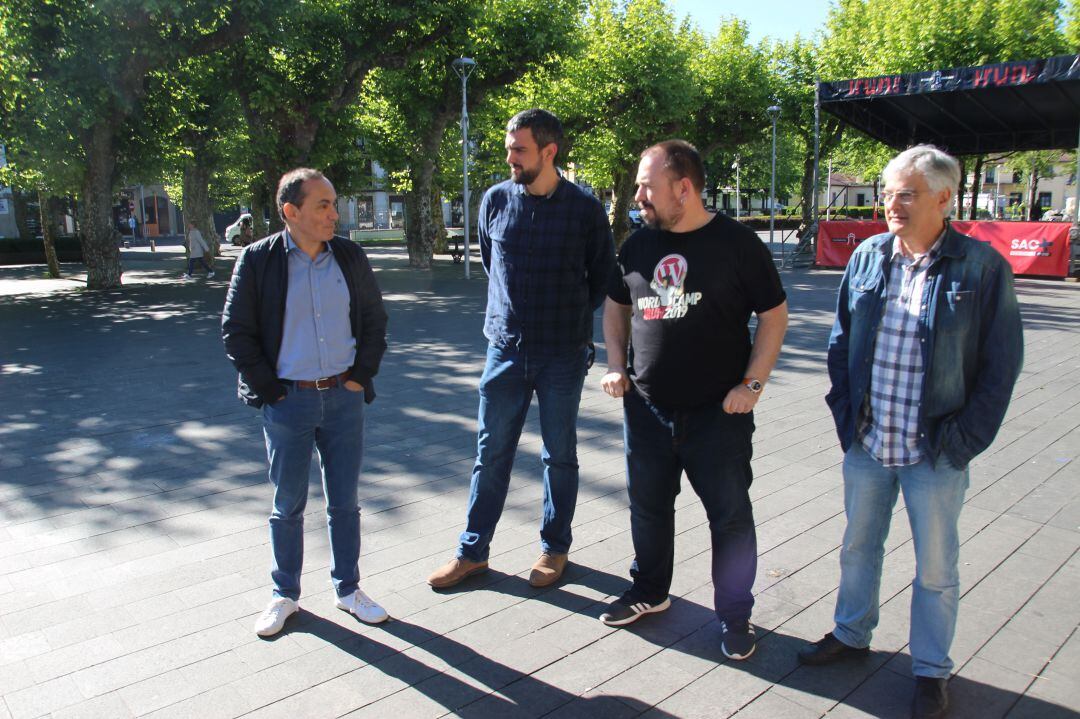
x,y
454,571
547,570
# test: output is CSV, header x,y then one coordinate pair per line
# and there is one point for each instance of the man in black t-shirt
x,y
686,286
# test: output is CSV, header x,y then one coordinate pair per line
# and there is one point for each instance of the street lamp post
x,y
998,214
464,66
738,200
774,113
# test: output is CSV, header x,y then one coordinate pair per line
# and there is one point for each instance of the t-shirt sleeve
x,y
618,291
763,287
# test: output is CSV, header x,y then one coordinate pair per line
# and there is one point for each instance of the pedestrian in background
x,y
197,249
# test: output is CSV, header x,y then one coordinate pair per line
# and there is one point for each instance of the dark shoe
x,y
931,699
830,649
454,571
739,640
625,611
547,570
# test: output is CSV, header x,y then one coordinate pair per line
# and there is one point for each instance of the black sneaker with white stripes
x,y
738,640
624,611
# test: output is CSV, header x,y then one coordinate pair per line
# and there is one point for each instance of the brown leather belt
x,y
320,384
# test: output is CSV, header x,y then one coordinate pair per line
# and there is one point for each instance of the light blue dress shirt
x,y
317,339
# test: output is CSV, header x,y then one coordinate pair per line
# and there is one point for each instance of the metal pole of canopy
x,y
817,156
1074,232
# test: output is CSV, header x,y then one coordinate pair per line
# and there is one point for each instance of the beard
x,y
655,221
524,176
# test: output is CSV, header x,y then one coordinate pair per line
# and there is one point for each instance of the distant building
x,y
154,212
8,228
373,208
1004,191
840,192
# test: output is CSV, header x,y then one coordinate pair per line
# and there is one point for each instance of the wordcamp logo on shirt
x,y
1031,247
670,301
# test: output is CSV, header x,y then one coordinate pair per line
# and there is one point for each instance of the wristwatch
x,y
753,385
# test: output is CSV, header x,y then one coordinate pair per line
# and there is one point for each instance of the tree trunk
x,y
259,202
420,233
1033,193
440,244
620,205
962,190
270,182
420,238
832,131
97,234
49,207
976,187
197,206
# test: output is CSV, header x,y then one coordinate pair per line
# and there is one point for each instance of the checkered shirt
x,y
548,261
888,424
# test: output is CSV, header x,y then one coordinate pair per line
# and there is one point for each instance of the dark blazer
x,y
254,316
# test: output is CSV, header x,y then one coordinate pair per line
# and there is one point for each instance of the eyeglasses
x,y
904,197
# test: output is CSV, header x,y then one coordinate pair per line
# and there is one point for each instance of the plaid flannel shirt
x,y
888,424
548,260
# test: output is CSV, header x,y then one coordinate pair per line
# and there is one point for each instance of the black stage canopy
x,y
1025,105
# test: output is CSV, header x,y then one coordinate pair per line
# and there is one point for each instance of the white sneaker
x,y
210,276
187,276
365,609
271,621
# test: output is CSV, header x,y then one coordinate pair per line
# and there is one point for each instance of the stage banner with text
x,y
1032,248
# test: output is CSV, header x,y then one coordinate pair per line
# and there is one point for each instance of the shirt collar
x,y
290,245
932,254
522,190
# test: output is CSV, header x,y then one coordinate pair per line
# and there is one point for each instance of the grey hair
x,y
941,170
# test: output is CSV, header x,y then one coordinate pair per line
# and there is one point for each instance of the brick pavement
x,y
133,550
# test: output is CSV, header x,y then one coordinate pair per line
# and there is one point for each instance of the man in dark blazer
x,y
305,327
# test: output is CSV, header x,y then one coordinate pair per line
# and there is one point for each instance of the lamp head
x,y
774,111
463,66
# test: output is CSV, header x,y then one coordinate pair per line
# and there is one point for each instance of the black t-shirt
x,y
692,295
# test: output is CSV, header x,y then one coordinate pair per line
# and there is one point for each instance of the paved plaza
x,y
134,551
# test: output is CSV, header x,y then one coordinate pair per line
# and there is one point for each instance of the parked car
x,y
235,234
635,217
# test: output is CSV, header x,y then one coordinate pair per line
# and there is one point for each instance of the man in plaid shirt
x,y
923,356
548,251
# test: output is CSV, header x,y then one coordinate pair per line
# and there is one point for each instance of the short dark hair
x,y
290,187
681,159
545,127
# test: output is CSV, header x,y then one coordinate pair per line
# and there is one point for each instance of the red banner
x,y
1032,248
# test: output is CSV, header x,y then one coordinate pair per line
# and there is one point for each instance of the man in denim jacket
x,y
925,350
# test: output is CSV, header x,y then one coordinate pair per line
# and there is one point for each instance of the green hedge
x,y
15,251
854,213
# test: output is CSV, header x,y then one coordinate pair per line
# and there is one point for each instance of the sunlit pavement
x,y
134,556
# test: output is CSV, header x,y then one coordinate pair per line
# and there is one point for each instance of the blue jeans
x,y
331,421
933,497
202,261
510,378
714,448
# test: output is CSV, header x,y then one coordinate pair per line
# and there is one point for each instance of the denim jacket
x,y
971,338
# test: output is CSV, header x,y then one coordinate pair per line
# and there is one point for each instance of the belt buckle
x,y
329,383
